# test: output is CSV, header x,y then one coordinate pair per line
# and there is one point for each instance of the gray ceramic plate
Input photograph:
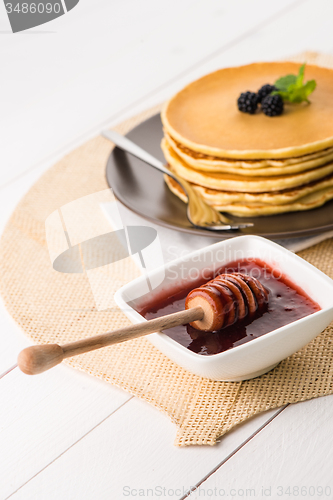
x,y
141,188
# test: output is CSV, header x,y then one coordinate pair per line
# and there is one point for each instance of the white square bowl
x,y
257,356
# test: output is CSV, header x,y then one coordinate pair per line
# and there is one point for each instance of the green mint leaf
x,y
300,76
284,82
297,95
292,89
282,93
308,88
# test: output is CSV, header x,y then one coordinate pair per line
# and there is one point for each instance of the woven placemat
x,y
53,307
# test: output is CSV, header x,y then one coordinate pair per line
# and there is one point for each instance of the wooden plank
x,y
76,44
44,415
130,450
291,457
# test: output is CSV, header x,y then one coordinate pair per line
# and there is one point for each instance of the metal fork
x,y
199,213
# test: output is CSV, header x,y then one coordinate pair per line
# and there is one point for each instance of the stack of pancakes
x,y
251,165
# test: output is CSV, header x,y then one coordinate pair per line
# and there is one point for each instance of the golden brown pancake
x,y
253,168
204,115
246,184
249,206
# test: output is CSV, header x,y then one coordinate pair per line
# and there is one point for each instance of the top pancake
x,y
204,115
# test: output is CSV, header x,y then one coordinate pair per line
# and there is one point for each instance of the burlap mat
x,y
55,307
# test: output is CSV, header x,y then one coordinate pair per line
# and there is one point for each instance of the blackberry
x,y
272,105
265,91
247,102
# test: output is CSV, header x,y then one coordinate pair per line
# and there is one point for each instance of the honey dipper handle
x,y
39,358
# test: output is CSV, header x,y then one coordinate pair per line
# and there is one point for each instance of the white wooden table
x,y
64,435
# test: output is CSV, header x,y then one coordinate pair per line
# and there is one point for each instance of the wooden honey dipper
x,y
226,299
219,303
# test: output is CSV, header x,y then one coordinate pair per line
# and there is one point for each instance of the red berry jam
x,y
286,303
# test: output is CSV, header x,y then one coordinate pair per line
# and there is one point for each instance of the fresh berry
x,y
272,105
265,91
247,102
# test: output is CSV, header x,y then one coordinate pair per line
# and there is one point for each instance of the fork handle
x,y
127,145
130,147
